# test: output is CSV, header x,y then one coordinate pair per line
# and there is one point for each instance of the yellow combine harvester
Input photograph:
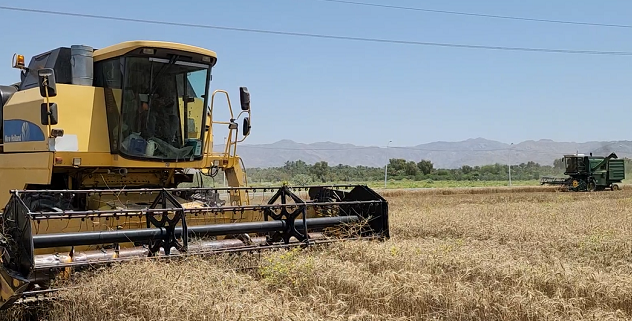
x,y
95,144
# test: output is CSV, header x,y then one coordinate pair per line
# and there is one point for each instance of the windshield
x,y
163,109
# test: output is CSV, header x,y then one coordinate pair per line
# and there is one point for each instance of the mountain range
x,y
473,152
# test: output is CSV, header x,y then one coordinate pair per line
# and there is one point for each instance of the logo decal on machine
x,y
18,130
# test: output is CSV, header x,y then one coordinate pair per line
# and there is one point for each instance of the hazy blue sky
x,y
312,90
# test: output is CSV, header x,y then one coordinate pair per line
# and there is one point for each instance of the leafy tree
x,y
411,169
320,170
425,166
302,179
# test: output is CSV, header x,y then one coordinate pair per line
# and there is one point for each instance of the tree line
x,y
398,169
321,172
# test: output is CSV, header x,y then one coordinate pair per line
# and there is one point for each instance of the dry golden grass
x,y
494,256
475,190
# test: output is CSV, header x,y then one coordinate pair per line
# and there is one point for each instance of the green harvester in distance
x,y
589,173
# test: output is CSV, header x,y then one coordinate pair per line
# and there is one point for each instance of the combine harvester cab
x,y
88,182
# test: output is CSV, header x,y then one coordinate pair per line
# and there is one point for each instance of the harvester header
x,y
99,152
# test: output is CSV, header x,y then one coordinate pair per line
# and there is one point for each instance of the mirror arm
x,y
45,85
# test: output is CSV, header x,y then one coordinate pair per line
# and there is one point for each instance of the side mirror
x,y
49,112
246,129
244,98
46,79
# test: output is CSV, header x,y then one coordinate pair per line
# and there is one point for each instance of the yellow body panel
x,y
81,116
125,47
23,131
18,170
109,160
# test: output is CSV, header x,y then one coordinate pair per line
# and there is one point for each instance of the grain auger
x,y
95,160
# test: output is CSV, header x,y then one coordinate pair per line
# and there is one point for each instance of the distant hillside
x,y
478,151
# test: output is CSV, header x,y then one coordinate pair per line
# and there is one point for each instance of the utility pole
x,y
386,166
510,149
510,174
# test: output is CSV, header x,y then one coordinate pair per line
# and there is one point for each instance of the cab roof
x,y
127,46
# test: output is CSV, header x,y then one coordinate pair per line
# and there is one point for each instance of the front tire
x,y
591,186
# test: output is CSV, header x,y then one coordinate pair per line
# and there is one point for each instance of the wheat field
x,y
464,256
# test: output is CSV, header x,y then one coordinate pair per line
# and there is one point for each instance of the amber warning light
x,y
18,61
